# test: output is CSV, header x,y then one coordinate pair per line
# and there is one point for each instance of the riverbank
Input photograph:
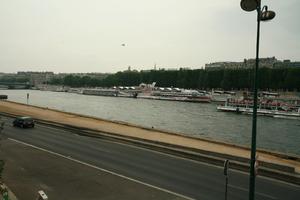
x,y
146,134
191,119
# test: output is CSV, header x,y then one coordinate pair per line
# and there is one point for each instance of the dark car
x,y
24,122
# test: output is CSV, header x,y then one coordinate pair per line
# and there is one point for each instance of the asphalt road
x,y
195,180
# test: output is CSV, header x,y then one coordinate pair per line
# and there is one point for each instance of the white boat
x,y
218,96
182,95
101,92
266,112
75,90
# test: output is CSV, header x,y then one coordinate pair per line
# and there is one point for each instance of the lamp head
x,y
267,15
249,5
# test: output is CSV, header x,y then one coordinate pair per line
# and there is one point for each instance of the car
x,y
24,122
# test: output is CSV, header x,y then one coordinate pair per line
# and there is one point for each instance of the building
x,y
269,62
263,62
37,78
224,65
286,63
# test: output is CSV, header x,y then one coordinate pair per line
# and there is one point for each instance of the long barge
x,y
276,110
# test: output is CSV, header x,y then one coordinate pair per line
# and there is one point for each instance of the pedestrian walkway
x,y
6,193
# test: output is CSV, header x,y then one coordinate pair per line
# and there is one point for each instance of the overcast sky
x,y
87,35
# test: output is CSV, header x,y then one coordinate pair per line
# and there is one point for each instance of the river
x,y
194,119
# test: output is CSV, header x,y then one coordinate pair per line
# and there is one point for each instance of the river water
x,y
194,119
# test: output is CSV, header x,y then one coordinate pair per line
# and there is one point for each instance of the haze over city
x,y
109,36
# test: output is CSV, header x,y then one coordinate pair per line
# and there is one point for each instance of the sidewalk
x,y
11,195
138,132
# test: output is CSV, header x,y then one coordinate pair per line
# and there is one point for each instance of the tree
x,y
280,78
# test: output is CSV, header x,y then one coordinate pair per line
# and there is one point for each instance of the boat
x,y
75,90
218,96
183,95
271,109
112,92
101,92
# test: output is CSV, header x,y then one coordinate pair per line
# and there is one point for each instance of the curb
x,y
11,195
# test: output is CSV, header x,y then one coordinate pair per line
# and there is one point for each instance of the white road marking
x,y
174,156
200,162
101,169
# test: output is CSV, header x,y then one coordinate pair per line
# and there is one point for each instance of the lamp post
x,y
262,15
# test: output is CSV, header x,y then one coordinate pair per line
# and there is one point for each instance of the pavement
x,y
29,170
134,131
11,195
67,165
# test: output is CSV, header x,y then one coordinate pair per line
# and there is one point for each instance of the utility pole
x,y
263,14
226,166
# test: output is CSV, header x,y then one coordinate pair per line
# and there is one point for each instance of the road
x,y
191,179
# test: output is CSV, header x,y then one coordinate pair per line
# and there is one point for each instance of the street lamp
x,y
262,15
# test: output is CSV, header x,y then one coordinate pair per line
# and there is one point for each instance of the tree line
x,y
13,79
227,79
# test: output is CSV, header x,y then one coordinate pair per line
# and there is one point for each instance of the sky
x,y
71,36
